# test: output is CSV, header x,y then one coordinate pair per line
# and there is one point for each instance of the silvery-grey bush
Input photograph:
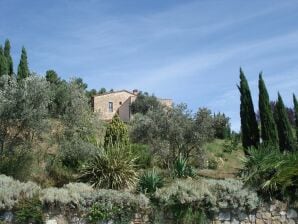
x,y
12,190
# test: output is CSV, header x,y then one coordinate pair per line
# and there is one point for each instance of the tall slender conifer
x,y
249,125
285,133
268,127
23,70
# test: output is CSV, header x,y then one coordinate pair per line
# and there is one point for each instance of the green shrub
x,y
188,200
29,211
70,194
150,181
271,172
74,152
231,194
59,173
121,206
17,164
143,155
212,164
286,177
187,215
12,190
83,196
259,166
230,145
182,168
116,132
102,212
114,168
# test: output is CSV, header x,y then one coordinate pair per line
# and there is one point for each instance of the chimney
x,y
135,91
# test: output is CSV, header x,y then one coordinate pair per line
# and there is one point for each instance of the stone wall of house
x,y
101,103
166,102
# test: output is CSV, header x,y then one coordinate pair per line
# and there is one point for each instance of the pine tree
x,y
285,133
249,125
268,127
3,64
8,57
23,70
296,115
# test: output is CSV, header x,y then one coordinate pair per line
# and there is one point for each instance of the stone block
x,y
266,215
292,214
283,218
260,221
51,221
272,208
276,222
242,216
7,216
224,216
252,218
259,215
291,221
235,221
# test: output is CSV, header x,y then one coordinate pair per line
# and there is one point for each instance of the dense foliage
x,y
143,103
296,116
174,130
116,132
113,168
47,126
268,127
23,109
270,171
150,181
23,69
249,126
285,133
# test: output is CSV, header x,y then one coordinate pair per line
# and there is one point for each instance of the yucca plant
x,y
150,181
286,176
260,166
182,168
113,168
272,172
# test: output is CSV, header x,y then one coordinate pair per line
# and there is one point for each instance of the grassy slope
x,y
228,163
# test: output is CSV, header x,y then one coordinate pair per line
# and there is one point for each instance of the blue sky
x,y
186,50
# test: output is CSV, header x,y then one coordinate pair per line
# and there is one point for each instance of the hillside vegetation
x,y
166,158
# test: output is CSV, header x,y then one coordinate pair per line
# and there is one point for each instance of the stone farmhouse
x,y
118,102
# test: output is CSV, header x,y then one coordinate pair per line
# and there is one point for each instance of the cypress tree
x,y
285,133
249,125
8,57
268,127
3,64
23,70
296,115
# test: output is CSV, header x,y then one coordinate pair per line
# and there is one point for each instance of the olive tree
x,y
171,132
23,107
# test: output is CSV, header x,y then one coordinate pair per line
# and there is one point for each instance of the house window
x,y
110,106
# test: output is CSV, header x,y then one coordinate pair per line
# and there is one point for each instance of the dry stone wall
x,y
275,213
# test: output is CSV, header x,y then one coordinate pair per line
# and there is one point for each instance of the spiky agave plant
x,y
113,168
182,168
150,181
